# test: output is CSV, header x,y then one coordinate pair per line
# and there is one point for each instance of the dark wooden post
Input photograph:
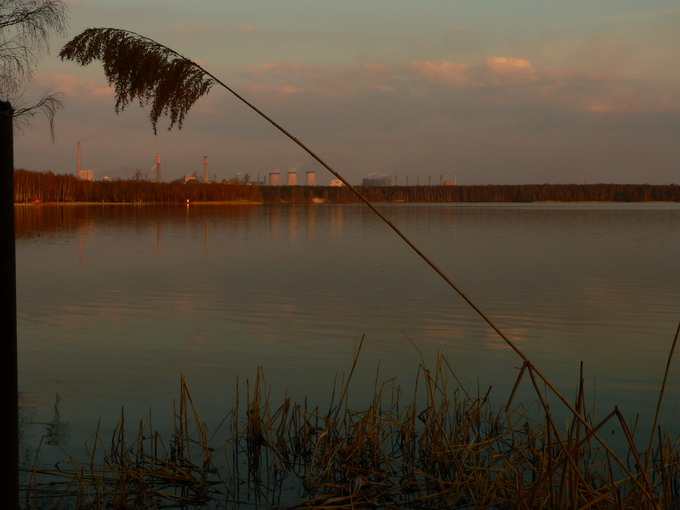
x,y
9,390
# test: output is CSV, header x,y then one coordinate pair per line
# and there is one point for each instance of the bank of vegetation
x,y
440,447
31,187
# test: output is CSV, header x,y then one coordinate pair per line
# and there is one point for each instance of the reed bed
x,y
440,447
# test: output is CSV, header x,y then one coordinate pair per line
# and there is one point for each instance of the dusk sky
x,y
495,92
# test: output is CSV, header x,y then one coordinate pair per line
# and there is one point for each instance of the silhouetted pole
x,y
9,390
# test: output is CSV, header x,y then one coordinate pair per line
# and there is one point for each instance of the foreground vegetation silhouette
x,y
440,448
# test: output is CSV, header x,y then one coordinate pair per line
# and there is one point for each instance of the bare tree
x,y
25,28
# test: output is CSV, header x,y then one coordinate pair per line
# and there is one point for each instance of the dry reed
x,y
443,449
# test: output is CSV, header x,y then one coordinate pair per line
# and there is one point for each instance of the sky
x,y
491,92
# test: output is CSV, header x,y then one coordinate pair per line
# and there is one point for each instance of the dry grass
x,y
443,449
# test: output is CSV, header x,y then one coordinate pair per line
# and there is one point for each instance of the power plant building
x,y
376,180
83,175
86,175
158,168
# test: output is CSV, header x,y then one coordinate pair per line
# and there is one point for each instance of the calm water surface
x,y
116,302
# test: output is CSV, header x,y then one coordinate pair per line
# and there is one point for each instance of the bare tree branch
x,y
49,104
25,27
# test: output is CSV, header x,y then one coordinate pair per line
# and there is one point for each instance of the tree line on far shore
x,y
36,187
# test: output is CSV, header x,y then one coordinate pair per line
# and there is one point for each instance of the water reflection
x,y
36,430
51,221
116,301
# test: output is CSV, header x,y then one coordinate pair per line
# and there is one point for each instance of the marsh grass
x,y
440,447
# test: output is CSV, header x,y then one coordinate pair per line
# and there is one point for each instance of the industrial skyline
x,y
494,92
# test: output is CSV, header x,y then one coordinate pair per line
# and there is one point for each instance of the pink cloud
x,y
621,102
245,27
259,70
508,64
73,86
517,80
268,89
508,70
447,73
494,71
290,77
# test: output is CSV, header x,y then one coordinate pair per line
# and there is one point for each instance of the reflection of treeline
x,y
48,187
50,218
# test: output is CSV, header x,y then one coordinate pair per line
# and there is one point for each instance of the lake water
x,y
116,302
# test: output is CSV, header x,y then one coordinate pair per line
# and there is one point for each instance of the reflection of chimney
x,y
79,160
205,168
158,168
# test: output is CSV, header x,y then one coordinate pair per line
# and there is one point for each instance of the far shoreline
x,y
217,202
400,202
33,187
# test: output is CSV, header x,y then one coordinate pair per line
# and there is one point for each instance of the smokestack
x,y
158,168
205,168
78,160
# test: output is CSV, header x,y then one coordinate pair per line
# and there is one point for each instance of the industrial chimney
x,y
78,161
158,168
205,168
